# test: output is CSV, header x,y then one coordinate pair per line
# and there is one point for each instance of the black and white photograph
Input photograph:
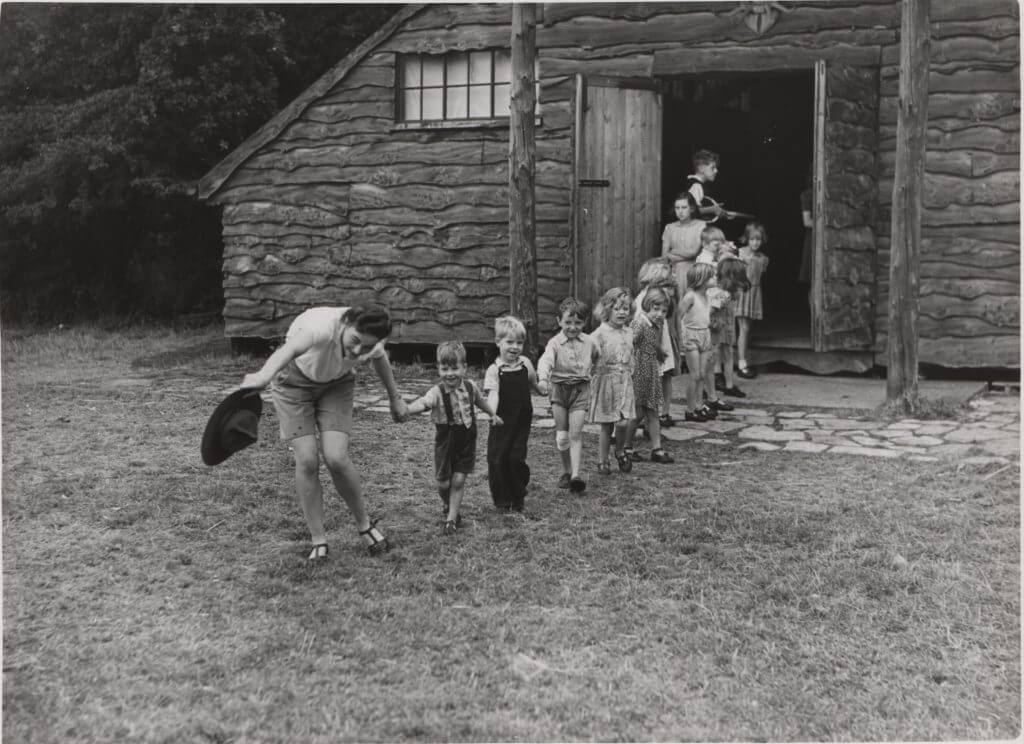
x,y
510,372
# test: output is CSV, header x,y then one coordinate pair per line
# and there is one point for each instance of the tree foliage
x,y
108,116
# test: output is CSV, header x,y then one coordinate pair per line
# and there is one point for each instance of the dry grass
x,y
732,596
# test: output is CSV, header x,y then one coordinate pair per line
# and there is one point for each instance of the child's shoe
x,y
696,416
377,543
563,480
605,468
633,454
734,391
577,485
449,528
746,373
458,518
660,455
709,413
625,462
666,421
720,405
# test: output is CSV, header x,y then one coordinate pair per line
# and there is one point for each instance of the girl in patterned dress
x,y
749,302
657,272
648,353
611,388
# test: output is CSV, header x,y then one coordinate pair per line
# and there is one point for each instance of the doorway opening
x,y
762,127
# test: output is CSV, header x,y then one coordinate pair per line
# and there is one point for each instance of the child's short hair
x,y
653,295
371,321
732,275
755,228
509,326
689,199
699,275
575,308
610,299
704,157
654,271
451,354
709,234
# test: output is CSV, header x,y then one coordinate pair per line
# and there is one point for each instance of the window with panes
x,y
455,86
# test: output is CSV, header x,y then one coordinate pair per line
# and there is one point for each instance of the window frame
x,y
468,122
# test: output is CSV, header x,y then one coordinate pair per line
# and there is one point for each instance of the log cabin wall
x,y
342,207
970,231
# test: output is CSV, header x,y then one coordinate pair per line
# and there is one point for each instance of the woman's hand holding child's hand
x,y
254,381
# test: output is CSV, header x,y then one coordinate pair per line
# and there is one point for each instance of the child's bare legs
x,y
708,363
654,429
621,432
631,427
694,372
604,441
666,391
561,417
455,493
742,340
725,354
576,419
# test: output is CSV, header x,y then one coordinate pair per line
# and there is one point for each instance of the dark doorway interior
x,y
762,127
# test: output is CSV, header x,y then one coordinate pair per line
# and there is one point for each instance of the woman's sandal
x,y
318,552
379,543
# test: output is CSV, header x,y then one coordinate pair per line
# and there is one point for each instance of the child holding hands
x,y
611,389
451,404
647,326
657,272
507,383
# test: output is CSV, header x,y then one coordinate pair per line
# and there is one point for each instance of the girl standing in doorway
x,y
748,302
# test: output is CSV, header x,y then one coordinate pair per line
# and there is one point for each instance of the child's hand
x,y
399,410
496,420
543,387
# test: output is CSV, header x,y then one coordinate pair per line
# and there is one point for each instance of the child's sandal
x,y
625,462
378,543
318,552
449,528
660,455
605,468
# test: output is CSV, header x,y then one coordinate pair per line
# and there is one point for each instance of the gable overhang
x,y
216,177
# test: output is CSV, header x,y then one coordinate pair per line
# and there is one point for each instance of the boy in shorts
x,y
312,381
564,372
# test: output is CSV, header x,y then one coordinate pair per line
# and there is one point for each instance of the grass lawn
x,y
735,595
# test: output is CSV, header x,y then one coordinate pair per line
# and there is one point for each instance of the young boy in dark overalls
x,y
507,384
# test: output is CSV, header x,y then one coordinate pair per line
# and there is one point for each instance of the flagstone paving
x,y
988,433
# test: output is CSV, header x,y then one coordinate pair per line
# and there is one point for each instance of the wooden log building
x,y
387,179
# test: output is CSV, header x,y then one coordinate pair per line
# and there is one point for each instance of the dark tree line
x,y
109,114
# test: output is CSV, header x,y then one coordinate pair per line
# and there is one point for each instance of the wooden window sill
x,y
499,123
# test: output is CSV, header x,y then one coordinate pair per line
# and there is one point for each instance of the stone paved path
x,y
989,433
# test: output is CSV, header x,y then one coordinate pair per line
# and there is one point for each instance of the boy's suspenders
x,y
446,399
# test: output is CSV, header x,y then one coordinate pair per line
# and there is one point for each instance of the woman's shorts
x,y
572,396
303,406
698,340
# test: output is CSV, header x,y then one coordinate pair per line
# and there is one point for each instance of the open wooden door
x,y
617,189
845,205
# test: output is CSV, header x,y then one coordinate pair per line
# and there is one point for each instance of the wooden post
x,y
908,185
522,232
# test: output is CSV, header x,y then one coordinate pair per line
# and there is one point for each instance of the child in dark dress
x,y
451,403
507,384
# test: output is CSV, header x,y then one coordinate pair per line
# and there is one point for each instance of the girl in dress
x,y
657,272
648,354
680,242
749,302
611,388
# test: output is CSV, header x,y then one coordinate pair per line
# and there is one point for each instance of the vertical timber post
x,y
908,186
522,231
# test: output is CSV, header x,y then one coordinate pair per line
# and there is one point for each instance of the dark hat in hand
x,y
233,426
